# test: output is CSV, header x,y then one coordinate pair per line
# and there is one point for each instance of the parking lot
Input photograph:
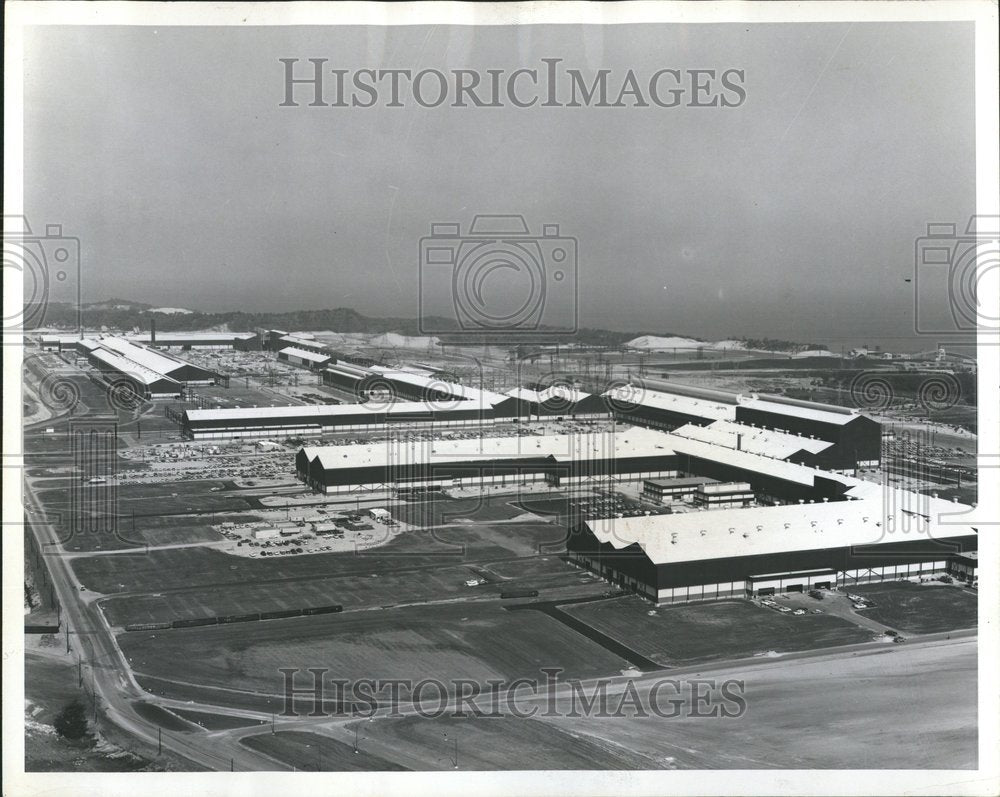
x,y
316,530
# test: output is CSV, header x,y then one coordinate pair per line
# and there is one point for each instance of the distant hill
x,y
126,314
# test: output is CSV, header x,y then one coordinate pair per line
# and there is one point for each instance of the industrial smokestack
x,y
152,332
739,442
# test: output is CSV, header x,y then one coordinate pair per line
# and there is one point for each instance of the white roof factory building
x,y
303,357
826,436
144,382
160,362
399,464
317,420
713,554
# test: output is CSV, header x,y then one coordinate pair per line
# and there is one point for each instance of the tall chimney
x,y
152,332
739,442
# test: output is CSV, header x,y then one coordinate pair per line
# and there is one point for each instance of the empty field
x,y
148,531
706,631
920,608
313,752
493,743
350,591
884,709
478,641
148,499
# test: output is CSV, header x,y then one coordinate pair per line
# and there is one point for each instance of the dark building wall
x,y
513,468
657,418
342,380
186,372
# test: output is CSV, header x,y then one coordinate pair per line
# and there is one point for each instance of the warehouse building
x,y
821,435
305,342
757,551
242,341
663,491
666,405
556,460
723,495
317,420
557,401
383,385
160,362
144,382
303,357
59,342
765,442
856,439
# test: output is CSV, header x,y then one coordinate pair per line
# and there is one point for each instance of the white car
x,y
799,612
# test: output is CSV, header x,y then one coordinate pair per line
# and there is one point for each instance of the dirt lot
x,y
709,631
920,608
478,641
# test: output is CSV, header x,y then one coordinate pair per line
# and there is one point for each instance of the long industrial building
x,y
535,403
756,551
303,357
245,341
400,463
144,382
855,441
315,420
160,362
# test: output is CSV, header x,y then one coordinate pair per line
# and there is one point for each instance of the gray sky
x,y
165,150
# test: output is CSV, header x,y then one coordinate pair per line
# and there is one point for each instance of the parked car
x,y
799,612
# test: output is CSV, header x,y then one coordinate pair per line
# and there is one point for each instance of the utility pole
x,y
67,637
159,741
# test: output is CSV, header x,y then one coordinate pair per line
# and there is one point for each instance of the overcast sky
x,y
794,215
